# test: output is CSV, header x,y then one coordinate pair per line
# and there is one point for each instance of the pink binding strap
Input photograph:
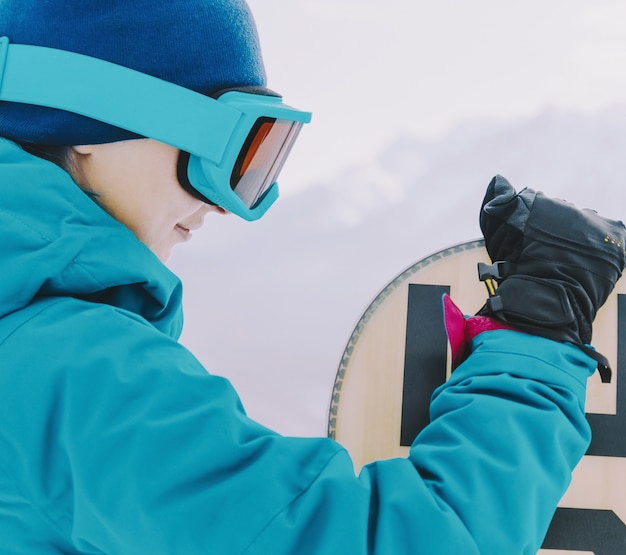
x,y
462,330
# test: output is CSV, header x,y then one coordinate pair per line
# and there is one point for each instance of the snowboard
x,y
398,354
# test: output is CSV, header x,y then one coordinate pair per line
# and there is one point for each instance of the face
x,y
135,181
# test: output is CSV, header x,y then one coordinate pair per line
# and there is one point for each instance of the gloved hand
x,y
555,265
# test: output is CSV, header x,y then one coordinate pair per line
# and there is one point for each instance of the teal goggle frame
x,y
233,146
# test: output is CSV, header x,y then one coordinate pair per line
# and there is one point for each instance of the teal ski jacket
x,y
114,439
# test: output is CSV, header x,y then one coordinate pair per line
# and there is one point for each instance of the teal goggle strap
x,y
212,131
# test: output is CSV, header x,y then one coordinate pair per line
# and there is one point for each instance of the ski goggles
x,y
232,146
252,158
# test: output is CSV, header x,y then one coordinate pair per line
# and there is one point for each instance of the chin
x,y
162,252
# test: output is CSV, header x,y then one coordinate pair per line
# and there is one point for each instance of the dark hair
x,y
53,153
59,155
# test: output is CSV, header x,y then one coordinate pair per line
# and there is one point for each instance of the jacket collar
x,y
56,241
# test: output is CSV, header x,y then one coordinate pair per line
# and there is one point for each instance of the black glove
x,y
555,265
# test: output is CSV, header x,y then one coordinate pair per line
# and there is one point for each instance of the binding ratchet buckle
x,y
492,275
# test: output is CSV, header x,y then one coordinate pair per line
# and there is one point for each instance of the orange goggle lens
x,y
262,157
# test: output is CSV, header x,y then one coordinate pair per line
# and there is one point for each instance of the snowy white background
x,y
416,106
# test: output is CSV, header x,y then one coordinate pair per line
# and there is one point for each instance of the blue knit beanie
x,y
204,45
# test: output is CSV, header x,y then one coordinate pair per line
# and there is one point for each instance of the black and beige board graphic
x,y
384,383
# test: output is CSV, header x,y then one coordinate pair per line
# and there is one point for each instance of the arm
x,y
132,447
484,477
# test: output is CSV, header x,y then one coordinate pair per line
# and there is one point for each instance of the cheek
x,y
165,198
183,205
161,216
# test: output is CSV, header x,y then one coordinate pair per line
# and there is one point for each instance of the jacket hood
x,y
56,241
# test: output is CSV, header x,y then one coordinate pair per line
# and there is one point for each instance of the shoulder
x,y
72,339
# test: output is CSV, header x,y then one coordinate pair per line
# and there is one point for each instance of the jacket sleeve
x,y
132,447
483,478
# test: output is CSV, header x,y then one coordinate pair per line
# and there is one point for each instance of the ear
x,y
83,149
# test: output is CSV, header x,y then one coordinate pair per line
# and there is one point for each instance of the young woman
x,y
114,439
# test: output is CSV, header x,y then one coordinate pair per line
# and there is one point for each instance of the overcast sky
x,y
370,70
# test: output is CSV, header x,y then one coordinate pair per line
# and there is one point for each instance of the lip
x,y
184,232
190,227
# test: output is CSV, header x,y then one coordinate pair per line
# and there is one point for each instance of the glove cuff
x,y
545,307
540,305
